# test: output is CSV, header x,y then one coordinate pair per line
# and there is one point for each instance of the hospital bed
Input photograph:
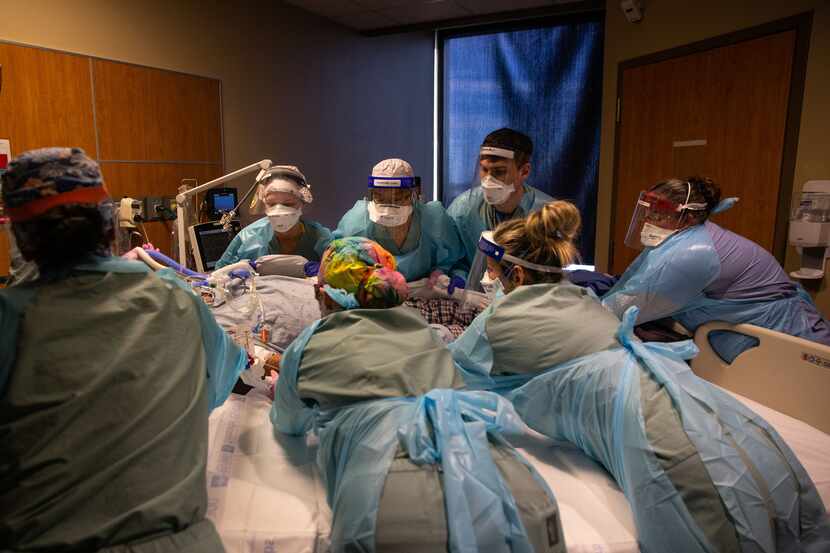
x,y
266,495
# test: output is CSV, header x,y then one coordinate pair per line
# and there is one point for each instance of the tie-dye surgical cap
x,y
357,271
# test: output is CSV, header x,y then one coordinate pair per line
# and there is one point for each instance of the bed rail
x,y
788,374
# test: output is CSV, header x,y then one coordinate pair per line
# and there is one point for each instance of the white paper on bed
x,y
266,495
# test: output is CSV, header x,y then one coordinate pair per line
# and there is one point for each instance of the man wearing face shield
x,y
504,166
420,235
282,192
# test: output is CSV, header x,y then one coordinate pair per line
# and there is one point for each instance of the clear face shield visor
x,y
394,191
656,218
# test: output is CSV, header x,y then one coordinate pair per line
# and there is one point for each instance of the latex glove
x,y
476,300
439,282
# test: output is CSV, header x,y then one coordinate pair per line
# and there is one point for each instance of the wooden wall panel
x,y
142,114
156,115
45,99
139,180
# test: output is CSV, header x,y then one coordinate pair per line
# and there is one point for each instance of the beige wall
x,y
671,23
296,88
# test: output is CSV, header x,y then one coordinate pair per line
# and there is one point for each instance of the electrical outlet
x,y
159,208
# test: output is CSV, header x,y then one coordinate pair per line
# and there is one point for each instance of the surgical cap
x,y
281,178
39,180
364,271
393,167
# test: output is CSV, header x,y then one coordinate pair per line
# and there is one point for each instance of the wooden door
x,y
720,113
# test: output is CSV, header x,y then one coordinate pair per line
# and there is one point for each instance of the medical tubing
x,y
160,257
145,257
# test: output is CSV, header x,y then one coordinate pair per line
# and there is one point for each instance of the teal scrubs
x,y
107,377
432,243
258,239
472,216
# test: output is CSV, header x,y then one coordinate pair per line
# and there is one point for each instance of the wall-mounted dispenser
x,y
810,229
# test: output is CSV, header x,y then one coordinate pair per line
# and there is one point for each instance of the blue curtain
x,y
545,82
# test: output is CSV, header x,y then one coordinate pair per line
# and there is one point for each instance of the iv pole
x,y
183,197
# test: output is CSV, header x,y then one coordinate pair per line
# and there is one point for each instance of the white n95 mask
x,y
652,236
495,191
491,286
282,217
389,215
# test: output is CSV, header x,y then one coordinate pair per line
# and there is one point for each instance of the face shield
x,y
480,281
656,218
391,199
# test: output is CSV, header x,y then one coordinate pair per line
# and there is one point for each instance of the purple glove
x,y
455,282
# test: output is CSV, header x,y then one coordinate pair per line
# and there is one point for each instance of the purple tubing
x,y
163,259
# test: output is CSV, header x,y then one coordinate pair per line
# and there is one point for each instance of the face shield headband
x,y
496,152
489,247
394,182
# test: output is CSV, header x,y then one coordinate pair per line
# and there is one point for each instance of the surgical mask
x,y
389,215
495,191
652,236
283,218
491,286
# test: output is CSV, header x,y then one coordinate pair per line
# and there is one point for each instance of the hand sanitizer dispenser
x,y
810,229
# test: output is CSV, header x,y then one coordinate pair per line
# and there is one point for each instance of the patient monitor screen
x,y
211,241
224,202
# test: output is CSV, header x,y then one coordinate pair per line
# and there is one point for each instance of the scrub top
x,y
432,243
472,216
107,377
706,273
259,239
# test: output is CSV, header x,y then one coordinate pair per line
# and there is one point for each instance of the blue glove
x,y
455,282
240,274
311,268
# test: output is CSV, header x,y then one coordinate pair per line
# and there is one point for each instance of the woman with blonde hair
x,y
702,472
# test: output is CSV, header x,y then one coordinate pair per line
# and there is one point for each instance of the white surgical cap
x,y
393,168
281,178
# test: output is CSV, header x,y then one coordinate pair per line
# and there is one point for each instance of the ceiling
x,y
372,15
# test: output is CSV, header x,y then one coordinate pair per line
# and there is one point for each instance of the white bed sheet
x,y
266,495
